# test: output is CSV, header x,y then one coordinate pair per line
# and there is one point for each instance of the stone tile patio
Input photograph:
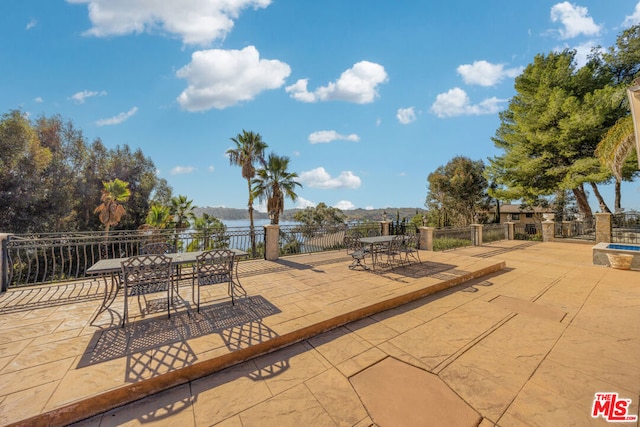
x,y
523,334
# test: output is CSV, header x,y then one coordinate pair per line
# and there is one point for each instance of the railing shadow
x,y
417,270
17,300
158,345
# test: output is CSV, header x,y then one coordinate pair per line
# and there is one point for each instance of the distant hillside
x,y
352,215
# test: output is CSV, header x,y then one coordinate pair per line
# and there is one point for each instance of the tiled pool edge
x,y
601,250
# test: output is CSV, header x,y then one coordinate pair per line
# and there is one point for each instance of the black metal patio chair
x,y
144,274
357,251
214,267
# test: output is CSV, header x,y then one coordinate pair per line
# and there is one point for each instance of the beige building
x,y
519,214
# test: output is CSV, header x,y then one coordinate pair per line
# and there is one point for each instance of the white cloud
x,y
369,208
302,203
80,97
575,19
456,102
320,178
406,115
634,18
358,84
193,21
484,73
117,119
582,52
182,170
325,136
299,91
32,23
39,100
219,78
345,205
211,168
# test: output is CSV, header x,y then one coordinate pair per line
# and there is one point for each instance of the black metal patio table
x,y
376,241
110,268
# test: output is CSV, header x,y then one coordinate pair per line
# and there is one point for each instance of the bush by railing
x,y
450,238
531,231
494,232
51,257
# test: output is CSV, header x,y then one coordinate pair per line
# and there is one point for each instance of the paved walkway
x,y
529,344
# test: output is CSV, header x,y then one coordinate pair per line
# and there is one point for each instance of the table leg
x,y
111,287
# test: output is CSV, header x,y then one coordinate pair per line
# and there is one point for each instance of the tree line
x,y
566,131
51,177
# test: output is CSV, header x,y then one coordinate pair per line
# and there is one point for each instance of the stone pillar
x,y
477,234
511,230
548,230
4,267
426,238
385,227
271,242
603,227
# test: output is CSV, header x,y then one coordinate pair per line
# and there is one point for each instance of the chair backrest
x,y
396,243
157,248
215,266
411,241
147,271
352,243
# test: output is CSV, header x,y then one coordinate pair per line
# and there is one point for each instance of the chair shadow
x,y
158,345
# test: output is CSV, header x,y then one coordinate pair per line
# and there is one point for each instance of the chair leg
x,y
126,305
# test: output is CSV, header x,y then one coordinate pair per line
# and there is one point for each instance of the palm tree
x,y
208,226
181,211
159,216
249,151
615,148
110,211
274,183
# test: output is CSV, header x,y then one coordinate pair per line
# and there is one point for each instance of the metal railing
x,y
576,229
494,232
31,259
298,239
449,238
626,227
531,231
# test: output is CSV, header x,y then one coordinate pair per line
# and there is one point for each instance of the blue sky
x,y
365,97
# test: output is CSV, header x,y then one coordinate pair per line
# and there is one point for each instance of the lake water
x,y
256,222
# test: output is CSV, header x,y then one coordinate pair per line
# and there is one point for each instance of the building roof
x,y
517,208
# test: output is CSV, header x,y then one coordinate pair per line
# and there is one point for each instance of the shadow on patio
x,y
164,340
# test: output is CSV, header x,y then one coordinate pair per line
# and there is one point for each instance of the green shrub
x,y
445,243
524,236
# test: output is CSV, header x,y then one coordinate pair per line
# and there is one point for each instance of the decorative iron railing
x,y
32,259
297,239
576,229
364,229
494,232
531,231
449,238
626,228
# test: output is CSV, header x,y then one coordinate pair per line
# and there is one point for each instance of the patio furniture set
x,y
384,251
159,268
